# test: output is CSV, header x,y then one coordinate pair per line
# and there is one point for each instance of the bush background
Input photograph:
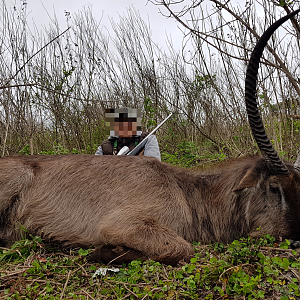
x,y
54,87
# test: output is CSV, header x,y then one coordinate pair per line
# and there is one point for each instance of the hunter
x,y
124,127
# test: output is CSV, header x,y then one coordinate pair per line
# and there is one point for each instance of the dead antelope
x,y
153,209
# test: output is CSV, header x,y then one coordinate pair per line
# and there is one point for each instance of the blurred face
x,y
123,122
125,129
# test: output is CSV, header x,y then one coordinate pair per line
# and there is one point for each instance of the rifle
x,y
136,150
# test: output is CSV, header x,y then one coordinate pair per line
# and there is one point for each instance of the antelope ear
x,y
250,180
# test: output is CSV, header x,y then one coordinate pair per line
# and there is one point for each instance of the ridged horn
x,y
276,166
297,163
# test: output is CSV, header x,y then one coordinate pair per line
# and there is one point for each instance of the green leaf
x,y
285,263
193,260
284,245
270,280
83,252
261,294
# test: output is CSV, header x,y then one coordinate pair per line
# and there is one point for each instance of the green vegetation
x,y
188,154
245,269
54,104
59,96
58,149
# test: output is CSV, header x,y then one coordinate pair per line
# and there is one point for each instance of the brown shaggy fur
x,y
120,203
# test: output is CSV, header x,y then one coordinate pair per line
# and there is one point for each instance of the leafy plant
x,y
25,150
246,268
21,250
150,111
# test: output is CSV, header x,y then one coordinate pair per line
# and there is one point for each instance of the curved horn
x,y
297,163
277,167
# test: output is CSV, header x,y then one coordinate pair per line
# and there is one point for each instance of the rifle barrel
x,y
141,145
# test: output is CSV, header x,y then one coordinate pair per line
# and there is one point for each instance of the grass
x,y
245,269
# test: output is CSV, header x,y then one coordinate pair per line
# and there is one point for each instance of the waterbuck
x,y
137,207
